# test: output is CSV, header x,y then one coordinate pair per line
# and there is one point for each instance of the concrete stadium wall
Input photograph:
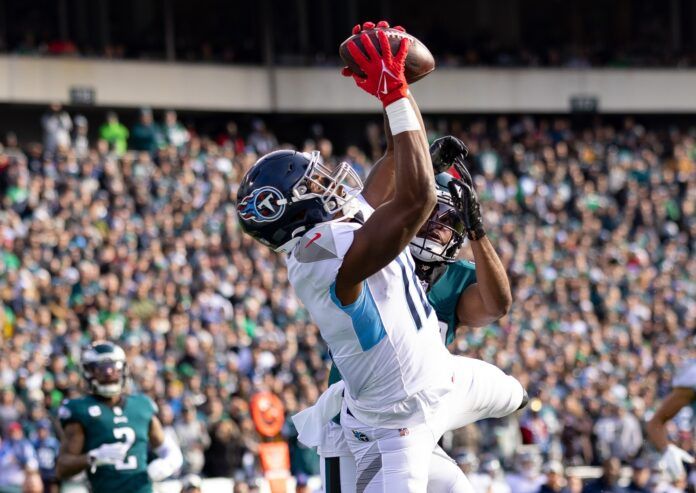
x,y
323,90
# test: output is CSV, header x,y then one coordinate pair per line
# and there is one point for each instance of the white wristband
x,y
402,117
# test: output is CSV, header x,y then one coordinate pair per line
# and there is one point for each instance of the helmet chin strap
x,y
290,244
350,208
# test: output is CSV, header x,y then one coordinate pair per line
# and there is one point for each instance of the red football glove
x,y
357,29
385,77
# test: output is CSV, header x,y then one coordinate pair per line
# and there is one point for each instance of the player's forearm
x,y
673,403
414,181
380,184
492,280
657,433
68,465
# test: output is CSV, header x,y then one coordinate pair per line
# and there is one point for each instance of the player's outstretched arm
x,y
380,183
392,226
490,297
672,456
71,460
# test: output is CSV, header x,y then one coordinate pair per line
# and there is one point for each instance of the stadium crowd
x,y
481,53
133,237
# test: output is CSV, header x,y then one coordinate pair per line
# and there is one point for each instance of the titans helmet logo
x,y
265,204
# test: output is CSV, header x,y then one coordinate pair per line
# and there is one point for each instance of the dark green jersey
x,y
129,423
444,295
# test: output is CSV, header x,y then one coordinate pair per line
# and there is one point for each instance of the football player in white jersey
x,y
683,394
349,263
451,287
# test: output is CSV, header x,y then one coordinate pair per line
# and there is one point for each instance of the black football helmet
x,y
104,368
442,236
286,193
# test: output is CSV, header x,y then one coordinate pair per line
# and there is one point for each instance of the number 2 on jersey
x,y
130,461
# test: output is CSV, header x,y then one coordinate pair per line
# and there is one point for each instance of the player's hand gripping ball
x,y
419,61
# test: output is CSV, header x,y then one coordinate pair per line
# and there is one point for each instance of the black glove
x,y
467,203
446,152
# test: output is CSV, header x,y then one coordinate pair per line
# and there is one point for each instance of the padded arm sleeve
x,y
168,462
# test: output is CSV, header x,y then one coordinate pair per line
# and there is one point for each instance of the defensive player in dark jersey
x,y
109,433
450,282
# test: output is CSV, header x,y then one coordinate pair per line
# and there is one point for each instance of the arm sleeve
x,y
169,460
445,293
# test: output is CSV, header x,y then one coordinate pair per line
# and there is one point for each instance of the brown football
x,y
419,61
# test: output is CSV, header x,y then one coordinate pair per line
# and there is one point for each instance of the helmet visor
x,y
106,371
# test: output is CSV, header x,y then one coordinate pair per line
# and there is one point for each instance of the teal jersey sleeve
x,y
444,294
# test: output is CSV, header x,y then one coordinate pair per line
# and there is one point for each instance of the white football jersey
x,y
686,376
387,343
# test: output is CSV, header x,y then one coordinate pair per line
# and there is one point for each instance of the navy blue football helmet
x,y
286,193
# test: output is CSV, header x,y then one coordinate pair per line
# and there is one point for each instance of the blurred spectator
x,y
146,134
81,138
533,427
609,482
606,429
191,483
17,459
640,478
325,148
232,138
491,478
114,133
261,139
630,435
10,407
555,479
174,132
240,487
469,464
574,484
193,439
576,434
46,446
56,125
527,476
224,455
